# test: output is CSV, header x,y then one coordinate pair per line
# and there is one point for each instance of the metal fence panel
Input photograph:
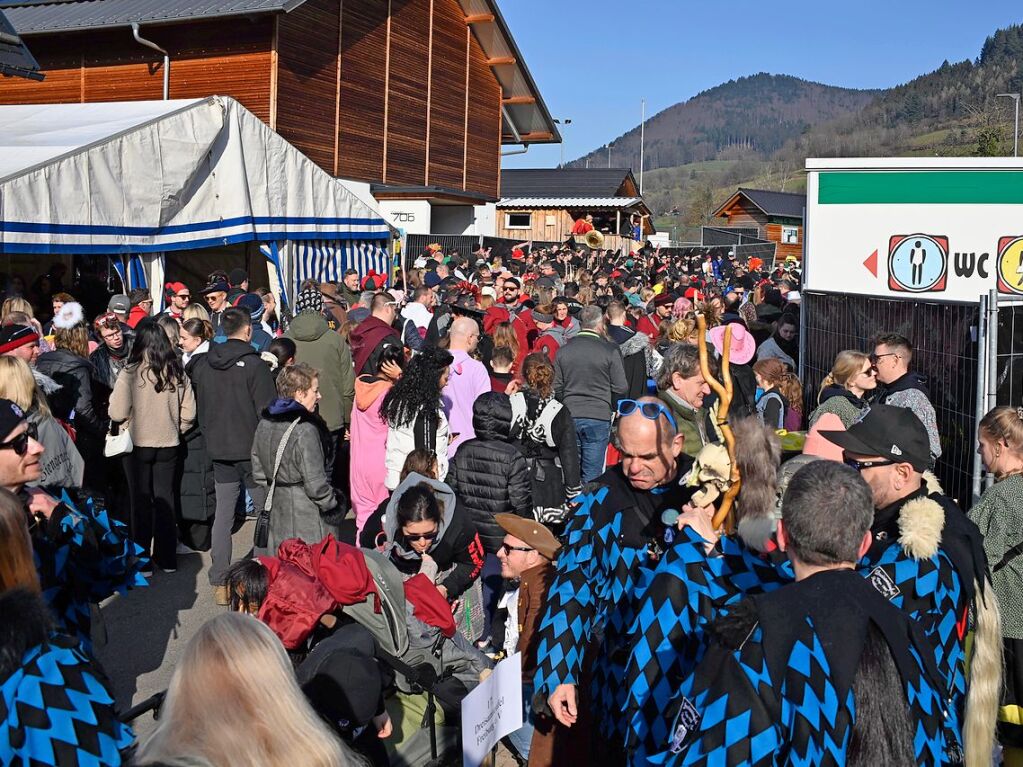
x,y
944,336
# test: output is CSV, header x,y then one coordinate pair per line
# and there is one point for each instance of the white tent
x,y
144,178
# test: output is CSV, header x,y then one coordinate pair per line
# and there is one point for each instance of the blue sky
x,y
592,67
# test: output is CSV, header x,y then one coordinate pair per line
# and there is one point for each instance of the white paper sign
x,y
492,711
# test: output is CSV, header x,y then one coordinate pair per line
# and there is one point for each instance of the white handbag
x,y
118,440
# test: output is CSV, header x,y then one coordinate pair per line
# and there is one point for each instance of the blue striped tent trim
x,y
327,260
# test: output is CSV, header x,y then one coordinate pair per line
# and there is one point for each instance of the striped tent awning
x,y
327,260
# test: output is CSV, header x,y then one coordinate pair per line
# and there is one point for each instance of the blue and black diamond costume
x,y
54,705
783,675
611,544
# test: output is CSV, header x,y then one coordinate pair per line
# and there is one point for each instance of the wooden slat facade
x,y
407,109
363,83
307,60
392,91
772,232
447,96
483,150
230,58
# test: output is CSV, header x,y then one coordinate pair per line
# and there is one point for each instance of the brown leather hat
x,y
329,290
530,532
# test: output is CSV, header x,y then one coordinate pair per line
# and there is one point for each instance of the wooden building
x,y
413,97
777,217
543,205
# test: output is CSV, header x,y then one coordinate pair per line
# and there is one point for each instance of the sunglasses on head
x,y
650,410
20,443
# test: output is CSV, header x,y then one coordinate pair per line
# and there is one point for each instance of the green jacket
x,y
693,425
325,350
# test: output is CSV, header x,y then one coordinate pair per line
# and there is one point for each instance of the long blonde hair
x,y
847,366
233,700
19,385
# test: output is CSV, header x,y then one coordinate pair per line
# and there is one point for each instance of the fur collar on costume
x,y
25,622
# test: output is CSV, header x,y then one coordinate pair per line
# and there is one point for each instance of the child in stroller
x,y
372,651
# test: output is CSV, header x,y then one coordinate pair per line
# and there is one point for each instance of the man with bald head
x,y
612,542
467,380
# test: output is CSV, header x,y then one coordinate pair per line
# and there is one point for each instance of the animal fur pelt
x,y
921,522
758,455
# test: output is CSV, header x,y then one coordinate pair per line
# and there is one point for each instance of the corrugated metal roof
x,y
786,204
15,58
569,202
563,182
38,16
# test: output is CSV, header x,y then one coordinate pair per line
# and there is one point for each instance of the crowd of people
x,y
473,459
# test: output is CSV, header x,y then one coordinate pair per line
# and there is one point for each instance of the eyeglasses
x,y
651,410
875,357
861,465
511,287
184,295
871,371
20,443
509,549
420,536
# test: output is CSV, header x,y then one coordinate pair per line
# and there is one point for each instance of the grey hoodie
x,y
446,500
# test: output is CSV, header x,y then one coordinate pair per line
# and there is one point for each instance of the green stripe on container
x,y
926,187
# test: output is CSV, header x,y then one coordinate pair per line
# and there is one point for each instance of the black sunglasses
x,y
420,536
20,443
861,465
509,549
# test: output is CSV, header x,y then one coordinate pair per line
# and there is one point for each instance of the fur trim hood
x,y
25,622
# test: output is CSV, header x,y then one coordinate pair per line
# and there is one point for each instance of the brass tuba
x,y
594,240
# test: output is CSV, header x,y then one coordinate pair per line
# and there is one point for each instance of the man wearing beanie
x,y
319,346
20,341
253,304
178,298
82,556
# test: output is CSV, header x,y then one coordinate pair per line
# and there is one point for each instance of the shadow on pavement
x,y
142,624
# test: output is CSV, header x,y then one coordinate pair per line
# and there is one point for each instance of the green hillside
x,y
758,131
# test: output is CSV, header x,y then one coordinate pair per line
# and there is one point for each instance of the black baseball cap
x,y
892,432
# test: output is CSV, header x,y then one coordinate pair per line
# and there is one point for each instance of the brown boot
x,y
220,596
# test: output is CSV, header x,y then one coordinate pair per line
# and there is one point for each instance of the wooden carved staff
x,y
724,391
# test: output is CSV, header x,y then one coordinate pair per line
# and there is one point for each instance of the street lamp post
x,y
1015,124
642,143
609,155
563,121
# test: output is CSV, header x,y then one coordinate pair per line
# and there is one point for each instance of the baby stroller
x,y
320,598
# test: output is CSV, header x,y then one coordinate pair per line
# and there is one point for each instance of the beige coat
x,y
155,419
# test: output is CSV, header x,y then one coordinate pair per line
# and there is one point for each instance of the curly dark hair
x,y
153,351
417,390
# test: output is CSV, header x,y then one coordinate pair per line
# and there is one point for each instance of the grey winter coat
x,y
305,506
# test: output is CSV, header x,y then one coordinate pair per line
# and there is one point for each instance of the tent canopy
x,y
158,176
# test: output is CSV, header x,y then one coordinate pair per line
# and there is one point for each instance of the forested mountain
x,y
758,113
757,131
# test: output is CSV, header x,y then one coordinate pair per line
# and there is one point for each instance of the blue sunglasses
x,y
651,410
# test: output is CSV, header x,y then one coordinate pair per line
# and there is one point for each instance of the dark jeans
x,y
229,478
593,436
151,486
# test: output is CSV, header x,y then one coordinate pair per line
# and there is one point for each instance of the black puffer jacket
x,y
489,473
74,374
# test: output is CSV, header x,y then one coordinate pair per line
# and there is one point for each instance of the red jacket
x,y
548,345
136,315
649,325
308,581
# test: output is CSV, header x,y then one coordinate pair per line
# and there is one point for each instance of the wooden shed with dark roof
x,y
413,95
543,204
777,216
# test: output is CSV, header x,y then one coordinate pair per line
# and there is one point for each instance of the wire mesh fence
x,y
944,337
1008,377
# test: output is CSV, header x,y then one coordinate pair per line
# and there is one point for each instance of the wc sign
x,y
940,229
917,263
